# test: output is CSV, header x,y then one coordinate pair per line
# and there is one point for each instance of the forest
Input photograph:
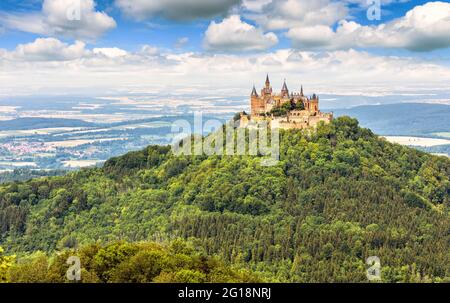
x,y
338,195
25,174
122,262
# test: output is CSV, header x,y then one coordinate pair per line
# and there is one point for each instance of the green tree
x,y
5,264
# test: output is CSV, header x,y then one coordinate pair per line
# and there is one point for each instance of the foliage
x,y
282,110
131,263
338,195
5,264
24,174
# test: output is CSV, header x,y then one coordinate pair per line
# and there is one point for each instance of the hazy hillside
x,y
37,123
402,118
336,197
27,174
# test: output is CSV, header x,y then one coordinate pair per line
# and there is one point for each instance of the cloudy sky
x,y
196,46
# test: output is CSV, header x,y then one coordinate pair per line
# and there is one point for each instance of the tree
x,y
5,264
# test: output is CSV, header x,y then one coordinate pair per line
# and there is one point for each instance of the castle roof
x,y
254,93
284,89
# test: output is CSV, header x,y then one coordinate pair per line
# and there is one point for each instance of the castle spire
x,y
284,89
284,86
254,93
301,91
267,81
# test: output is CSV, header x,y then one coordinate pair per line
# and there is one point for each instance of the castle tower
x,y
257,104
284,90
254,93
267,90
301,92
314,104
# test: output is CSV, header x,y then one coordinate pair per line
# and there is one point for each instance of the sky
x,y
114,47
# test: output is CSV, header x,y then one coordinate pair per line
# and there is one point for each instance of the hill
x,y
24,174
337,196
408,119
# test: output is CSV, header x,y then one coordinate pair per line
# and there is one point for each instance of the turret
x,y
314,104
254,93
284,90
267,90
257,104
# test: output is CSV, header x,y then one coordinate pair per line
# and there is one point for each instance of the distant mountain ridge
x,y
37,123
406,119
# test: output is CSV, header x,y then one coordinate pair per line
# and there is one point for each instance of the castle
x,y
284,110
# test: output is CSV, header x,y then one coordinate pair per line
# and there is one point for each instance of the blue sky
x,y
128,34
131,34
189,44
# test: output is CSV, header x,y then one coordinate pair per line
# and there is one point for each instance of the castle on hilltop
x,y
285,110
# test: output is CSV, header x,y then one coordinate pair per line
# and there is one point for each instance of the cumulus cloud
x,y
48,49
110,52
65,18
175,9
148,50
255,5
49,66
233,34
324,57
286,14
424,28
52,50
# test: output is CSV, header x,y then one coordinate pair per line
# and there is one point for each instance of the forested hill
x,y
337,196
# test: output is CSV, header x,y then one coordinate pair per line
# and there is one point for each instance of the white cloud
x,y
311,36
232,34
48,49
149,51
175,9
255,5
286,14
49,66
423,28
111,52
66,18
51,50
